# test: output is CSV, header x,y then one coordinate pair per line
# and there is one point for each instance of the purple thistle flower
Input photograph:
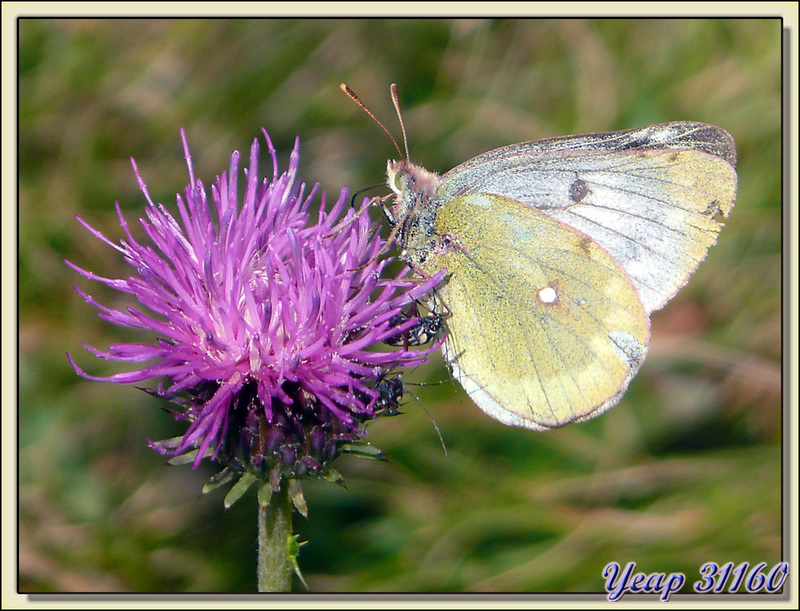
x,y
267,320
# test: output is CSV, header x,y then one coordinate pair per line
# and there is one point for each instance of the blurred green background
x,y
686,469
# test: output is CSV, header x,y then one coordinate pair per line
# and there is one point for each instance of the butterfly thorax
x,y
414,211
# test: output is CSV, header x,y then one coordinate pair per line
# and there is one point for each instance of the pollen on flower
x,y
267,317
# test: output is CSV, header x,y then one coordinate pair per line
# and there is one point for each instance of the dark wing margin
x,y
679,135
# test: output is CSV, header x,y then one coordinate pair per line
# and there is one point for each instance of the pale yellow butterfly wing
x,y
545,327
653,197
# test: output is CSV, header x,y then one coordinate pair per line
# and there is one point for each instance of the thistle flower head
x,y
267,317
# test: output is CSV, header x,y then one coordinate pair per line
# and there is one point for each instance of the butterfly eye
x,y
399,180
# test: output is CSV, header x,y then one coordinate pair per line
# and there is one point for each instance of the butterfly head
x,y
413,212
414,188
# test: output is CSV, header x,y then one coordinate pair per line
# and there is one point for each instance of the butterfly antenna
x,y
396,102
352,95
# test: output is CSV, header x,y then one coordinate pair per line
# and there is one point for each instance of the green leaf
x,y
333,476
220,479
168,444
183,458
264,494
293,545
296,494
239,488
363,450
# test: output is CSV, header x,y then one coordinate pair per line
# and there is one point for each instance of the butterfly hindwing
x,y
545,328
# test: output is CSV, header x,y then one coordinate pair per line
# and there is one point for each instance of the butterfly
x,y
557,251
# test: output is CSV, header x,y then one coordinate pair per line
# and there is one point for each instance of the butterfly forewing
x,y
652,197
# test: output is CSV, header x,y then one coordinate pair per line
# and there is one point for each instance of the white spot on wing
x,y
548,295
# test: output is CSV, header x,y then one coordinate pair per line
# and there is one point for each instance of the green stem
x,y
274,529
